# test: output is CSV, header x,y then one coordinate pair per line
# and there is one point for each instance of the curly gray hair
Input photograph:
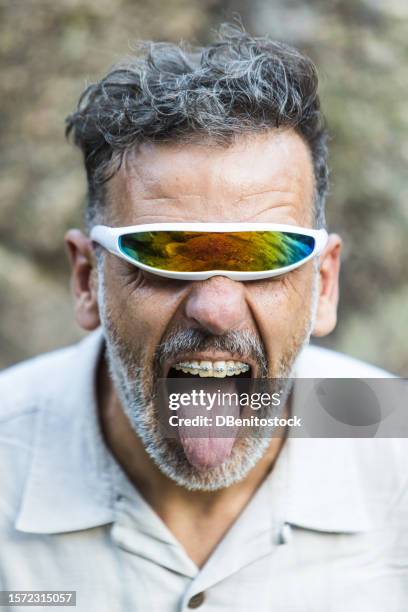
x,y
170,92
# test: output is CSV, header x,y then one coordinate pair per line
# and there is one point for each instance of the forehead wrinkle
x,y
197,168
262,193
140,182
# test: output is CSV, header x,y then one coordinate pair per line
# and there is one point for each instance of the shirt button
x,y
286,534
196,601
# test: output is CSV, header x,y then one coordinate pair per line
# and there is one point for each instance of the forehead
x,y
264,177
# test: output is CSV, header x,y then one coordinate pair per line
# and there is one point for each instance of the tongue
x,y
208,445
206,453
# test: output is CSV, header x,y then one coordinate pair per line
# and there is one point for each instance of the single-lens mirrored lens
x,y
205,251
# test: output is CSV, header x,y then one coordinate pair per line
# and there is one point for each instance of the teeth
x,y
205,369
230,367
217,369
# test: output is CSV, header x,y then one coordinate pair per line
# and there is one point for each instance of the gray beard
x,y
137,392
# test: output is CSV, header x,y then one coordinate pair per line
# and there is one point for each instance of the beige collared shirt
x,y
326,532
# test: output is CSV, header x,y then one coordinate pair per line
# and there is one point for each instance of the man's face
x,y
152,323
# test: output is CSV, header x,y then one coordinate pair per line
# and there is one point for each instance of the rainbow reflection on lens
x,y
186,251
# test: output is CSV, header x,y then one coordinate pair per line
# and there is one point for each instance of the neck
x,y
198,519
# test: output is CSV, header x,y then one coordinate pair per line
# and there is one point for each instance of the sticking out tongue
x,y
209,445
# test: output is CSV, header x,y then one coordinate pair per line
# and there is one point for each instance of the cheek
x,y
282,310
139,310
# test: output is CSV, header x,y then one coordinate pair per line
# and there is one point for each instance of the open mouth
x,y
238,373
210,444
210,369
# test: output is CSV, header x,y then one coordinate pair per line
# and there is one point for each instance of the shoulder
x,y
23,392
317,362
22,386
27,386
32,391
373,463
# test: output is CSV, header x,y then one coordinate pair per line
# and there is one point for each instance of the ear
x,y
83,279
326,315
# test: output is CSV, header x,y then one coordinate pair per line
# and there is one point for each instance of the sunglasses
x,y
197,251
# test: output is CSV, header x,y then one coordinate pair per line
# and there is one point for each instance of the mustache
x,y
243,343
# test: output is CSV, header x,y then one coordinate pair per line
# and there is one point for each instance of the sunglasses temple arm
x,y
106,237
321,240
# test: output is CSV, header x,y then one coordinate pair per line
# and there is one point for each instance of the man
x,y
96,498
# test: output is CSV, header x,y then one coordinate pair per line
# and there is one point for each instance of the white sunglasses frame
x,y
108,237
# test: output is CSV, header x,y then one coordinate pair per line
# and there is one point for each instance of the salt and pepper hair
x,y
171,92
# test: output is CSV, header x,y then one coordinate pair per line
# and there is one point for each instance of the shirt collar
x,y
68,486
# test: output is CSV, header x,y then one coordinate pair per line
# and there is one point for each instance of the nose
x,y
217,305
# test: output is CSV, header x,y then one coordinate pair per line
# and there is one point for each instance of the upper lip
x,y
209,356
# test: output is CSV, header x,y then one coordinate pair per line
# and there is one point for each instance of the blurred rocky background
x,y
50,50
